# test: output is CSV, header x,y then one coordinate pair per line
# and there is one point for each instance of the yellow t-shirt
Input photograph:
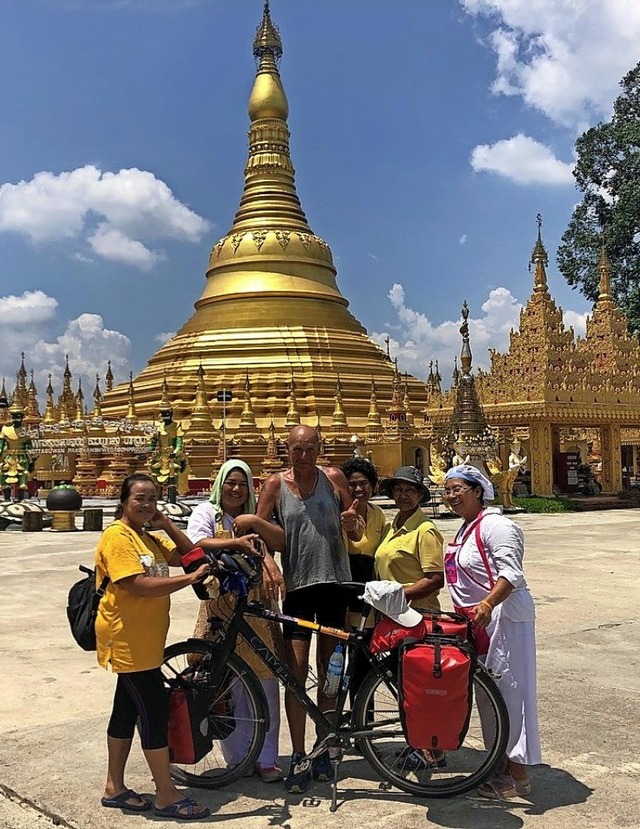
x,y
373,534
131,631
408,552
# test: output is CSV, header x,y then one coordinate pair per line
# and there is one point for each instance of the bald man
x,y
316,510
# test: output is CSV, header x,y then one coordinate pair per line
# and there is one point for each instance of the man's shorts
x,y
325,604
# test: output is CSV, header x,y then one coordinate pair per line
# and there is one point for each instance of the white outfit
x,y
511,657
202,524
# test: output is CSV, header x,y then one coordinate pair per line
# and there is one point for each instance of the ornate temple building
x,y
272,344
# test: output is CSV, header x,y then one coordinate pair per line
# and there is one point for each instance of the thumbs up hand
x,y
351,522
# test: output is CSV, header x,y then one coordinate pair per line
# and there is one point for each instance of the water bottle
x,y
334,672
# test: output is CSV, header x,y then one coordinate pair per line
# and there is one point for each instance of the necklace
x,y
304,493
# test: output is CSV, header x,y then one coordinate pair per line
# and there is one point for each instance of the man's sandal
x,y
498,788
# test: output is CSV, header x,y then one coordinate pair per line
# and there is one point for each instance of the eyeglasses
x,y
456,490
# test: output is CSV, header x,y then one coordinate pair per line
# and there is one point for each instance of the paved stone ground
x,y
583,570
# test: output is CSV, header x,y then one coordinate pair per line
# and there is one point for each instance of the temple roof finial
x,y
267,40
604,270
539,259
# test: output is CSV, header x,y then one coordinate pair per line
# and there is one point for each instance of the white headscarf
x,y
472,475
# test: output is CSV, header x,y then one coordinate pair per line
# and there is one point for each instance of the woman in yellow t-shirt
x,y
411,551
131,630
362,480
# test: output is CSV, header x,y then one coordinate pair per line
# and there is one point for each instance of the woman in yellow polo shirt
x,y
411,550
411,553
131,631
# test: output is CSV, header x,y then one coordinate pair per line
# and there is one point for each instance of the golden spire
x,y
293,416
373,418
80,401
539,260
247,418
131,411
395,392
406,400
465,352
165,403
108,377
32,411
455,376
50,414
339,418
97,398
604,270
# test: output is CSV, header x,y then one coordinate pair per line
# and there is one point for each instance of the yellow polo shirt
x,y
406,553
131,631
373,534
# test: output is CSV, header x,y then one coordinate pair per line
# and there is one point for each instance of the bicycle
x,y
373,726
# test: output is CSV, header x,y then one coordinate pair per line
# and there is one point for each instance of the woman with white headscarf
x,y
228,521
483,571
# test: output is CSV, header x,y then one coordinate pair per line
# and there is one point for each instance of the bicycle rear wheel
x,y
238,713
376,710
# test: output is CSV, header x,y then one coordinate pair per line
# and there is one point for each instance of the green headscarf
x,y
249,505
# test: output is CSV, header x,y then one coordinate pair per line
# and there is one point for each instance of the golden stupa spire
x,y
108,378
247,417
80,401
165,403
539,260
406,400
50,414
97,398
339,419
465,352
604,271
373,418
455,376
131,411
293,416
32,410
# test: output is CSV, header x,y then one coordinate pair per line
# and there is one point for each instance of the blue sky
x,y
426,136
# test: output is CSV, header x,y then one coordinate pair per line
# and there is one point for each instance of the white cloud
x,y
564,58
89,346
133,207
164,336
576,321
113,244
463,239
522,160
421,341
31,308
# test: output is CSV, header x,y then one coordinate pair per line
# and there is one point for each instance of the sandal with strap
x,y
185,809
122,801
498,788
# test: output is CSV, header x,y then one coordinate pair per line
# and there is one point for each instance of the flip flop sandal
x,y
523,789
120,801
184,809
498,789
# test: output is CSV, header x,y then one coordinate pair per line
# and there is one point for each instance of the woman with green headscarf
x,y
216,525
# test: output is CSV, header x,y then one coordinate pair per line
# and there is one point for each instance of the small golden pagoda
x,y
271,312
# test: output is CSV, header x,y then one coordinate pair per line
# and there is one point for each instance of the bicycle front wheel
x,y
238,713
376,711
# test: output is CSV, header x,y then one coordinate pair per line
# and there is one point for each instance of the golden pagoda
x,y
271,309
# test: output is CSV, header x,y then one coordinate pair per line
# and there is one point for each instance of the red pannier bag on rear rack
x,y
190,734
445,623
435,682
388,635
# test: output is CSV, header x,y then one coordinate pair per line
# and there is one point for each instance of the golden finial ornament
x,y
338,419
604,271
165,402
108,377
539,259
131,410
50,413
293,416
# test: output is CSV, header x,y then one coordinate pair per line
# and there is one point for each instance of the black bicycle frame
x,y
238,625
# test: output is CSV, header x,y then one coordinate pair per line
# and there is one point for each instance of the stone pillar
x,y
541,461
611,459
634,461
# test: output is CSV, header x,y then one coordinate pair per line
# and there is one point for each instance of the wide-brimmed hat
x,y
409,475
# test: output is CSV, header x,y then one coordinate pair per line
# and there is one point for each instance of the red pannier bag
x,y
388,635
435,681
444,623
190,734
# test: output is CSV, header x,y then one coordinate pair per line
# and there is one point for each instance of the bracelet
x,y
491,608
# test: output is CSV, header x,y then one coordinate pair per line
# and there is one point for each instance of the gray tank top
x,y
315,548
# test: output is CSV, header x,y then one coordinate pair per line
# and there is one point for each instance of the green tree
x,y
608,174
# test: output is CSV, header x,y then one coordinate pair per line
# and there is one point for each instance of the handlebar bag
x,y
435,680
443,623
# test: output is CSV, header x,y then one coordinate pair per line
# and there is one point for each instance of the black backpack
x,y
82,608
